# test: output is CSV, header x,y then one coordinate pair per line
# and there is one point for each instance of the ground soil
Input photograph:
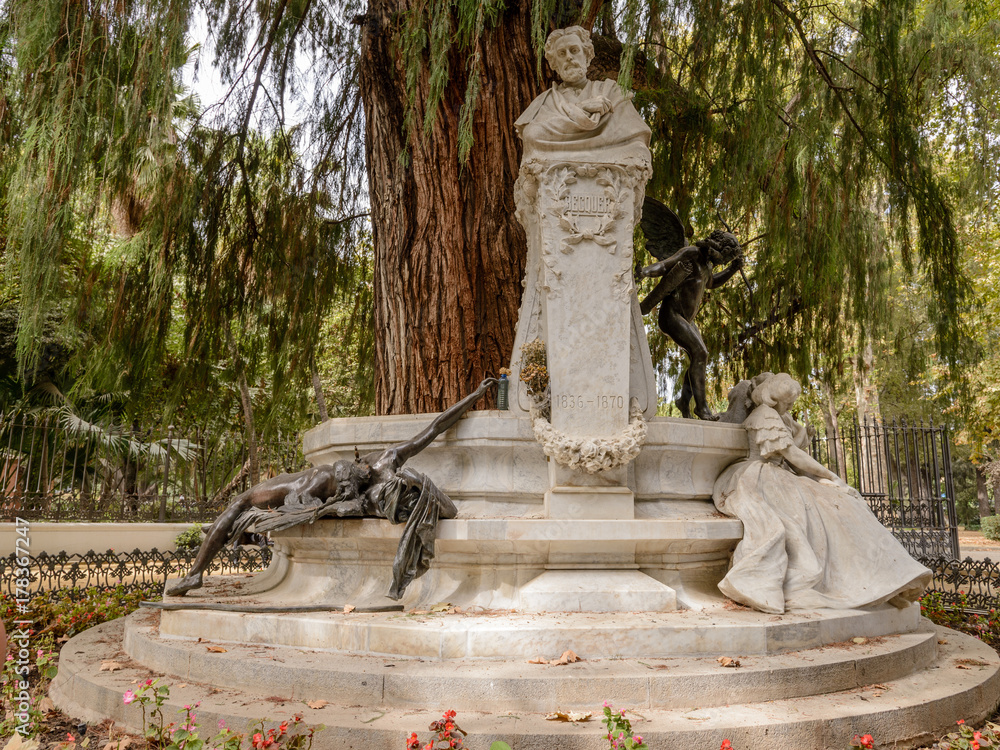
x,y
974,541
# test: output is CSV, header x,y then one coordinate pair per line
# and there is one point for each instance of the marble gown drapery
x,y
806,544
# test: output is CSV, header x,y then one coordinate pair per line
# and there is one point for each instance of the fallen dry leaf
x,y
182,685
109,666
568,657
538,660
121,744
728,661
317,703
348,608
45,705
215,649
859,640
573,716
441,607
943,642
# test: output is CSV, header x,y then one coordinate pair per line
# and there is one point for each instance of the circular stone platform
x,y
903,689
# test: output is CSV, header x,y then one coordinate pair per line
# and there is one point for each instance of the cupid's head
x,y
569,52
726,245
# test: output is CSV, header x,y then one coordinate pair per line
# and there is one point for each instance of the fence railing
x,y
971,584
904,472
58,469
138,570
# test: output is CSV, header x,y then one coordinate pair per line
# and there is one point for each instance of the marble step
x,y
506,635
963,682
683,682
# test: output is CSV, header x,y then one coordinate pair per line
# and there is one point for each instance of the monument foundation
x,y
584,524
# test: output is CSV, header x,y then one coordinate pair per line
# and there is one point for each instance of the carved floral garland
x,y
591,454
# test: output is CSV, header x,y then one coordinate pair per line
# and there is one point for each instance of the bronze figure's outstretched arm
x,y
342,488
441,423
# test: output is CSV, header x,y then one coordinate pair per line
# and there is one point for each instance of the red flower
x,y
726,745
960,722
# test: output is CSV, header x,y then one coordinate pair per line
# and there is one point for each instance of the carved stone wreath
x,y
591,454
610,180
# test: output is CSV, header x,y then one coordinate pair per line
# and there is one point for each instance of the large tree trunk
x,y
831,416
873,476
982,493
449,254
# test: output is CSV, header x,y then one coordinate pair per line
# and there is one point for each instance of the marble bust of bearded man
x,y
578,119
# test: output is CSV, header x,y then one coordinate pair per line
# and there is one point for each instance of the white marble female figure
x,y
809,540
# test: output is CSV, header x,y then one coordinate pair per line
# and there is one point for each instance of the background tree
x,y
805,126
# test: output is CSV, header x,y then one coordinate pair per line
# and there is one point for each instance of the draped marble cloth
x,y
806,545
409,498
555,127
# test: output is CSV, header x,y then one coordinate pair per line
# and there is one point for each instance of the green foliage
x,y
168,248
620,730
65,613
985,627
40,669
990,526
186,734
189,539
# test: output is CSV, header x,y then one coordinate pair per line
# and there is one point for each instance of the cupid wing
x,y
663,229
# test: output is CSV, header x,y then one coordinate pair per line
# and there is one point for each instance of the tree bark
x,y
873,470
982,493
318,390
831,416
449,254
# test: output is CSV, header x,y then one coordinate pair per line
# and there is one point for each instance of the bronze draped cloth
x,y
408,498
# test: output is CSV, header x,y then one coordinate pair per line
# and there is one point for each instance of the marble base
x,y
489,562
590,502
480,633
596,591
491,466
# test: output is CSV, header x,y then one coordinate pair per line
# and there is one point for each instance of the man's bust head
x,y
569,52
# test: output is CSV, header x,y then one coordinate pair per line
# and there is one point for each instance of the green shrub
x,y
189,539
991,527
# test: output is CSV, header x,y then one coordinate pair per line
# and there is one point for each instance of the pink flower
x,y
638,739
606,704
128,697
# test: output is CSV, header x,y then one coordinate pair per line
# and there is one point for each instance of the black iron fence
x,y
58,468
969,584
904,472
133,571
